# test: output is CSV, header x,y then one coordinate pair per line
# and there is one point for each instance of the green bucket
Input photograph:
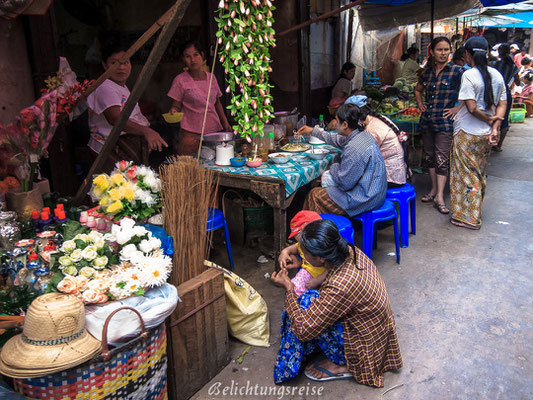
x,y
259,219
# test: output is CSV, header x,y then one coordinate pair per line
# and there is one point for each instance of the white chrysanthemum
x,y
147,246
123,236
140,231
127,224
155,275
68,246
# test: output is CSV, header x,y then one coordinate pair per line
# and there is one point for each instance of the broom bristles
x,y
188,190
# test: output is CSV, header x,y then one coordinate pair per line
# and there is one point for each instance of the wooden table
x,y
271,183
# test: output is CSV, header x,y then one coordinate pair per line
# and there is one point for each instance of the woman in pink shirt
x,y
189,95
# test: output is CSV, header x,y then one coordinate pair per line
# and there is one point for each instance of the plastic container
x,y
45,222
517,113
259,219
237,161
321,122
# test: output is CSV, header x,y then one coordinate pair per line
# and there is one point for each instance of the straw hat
x,y
53,339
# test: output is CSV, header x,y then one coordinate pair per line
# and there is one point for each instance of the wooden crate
x,y
197,334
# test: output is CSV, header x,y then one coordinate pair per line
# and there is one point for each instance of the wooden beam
x,y
323,16
304,72
176,14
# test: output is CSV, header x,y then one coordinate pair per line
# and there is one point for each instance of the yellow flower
x,y
105,201
117,179
113,208
98,192
101,182
115,194
127,193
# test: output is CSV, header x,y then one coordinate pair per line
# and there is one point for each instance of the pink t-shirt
x,y
108,94
527,90
193,96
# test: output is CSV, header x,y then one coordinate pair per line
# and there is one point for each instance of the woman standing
x,y
350,319
440,80
476,129
189,94
509,71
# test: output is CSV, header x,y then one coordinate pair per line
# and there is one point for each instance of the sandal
x,y
442,208
464,225
330,375
427,198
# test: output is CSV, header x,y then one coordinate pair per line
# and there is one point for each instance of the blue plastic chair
x,y
384,213
216,220
343,224
405,196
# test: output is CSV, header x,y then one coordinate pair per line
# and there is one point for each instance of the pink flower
x,y
123,165
132,172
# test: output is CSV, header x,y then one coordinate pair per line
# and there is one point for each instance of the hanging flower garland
x,y
244,36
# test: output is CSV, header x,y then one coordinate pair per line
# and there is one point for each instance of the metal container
x,y
9,230
287,118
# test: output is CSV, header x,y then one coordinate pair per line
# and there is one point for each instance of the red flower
x,y
26,116
123,165
12,182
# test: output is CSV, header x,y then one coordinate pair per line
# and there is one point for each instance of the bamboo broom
x,y
188,190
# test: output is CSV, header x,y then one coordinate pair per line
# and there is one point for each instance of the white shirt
x,y
473,88
108,94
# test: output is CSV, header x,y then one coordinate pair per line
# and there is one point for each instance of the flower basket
x,y
24,202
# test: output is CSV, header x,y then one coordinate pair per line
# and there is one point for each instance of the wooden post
x,y
304,72
177,12
432,18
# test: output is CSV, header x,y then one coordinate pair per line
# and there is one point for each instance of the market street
x,y
461,298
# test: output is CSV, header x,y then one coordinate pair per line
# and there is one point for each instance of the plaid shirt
x,y
355,294
441,93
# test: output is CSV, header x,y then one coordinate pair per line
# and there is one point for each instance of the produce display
x,y
244,36
390,106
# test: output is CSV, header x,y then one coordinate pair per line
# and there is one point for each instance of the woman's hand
x,y
285,257
173,110
293,263
304,130
281,278
155,142
227,127
493,118
494,137
332,125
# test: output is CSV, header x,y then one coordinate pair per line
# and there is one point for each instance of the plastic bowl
x,y
318,154
315,140
172,118
237,161
279,158
255,163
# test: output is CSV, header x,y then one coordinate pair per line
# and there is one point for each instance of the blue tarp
x,y
486,3
526,17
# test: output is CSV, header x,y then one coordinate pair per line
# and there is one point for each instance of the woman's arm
x,y
222,116
176,107
418,95
285,257
155,142
500,113
471,105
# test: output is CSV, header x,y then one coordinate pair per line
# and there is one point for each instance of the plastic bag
x,y
155,305
246,310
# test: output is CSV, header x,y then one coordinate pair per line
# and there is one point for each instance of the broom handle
x,y
207,102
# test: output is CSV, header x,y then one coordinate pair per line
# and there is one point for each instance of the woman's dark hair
x,y
504,51
528,76
321,238
477,47
410,51
351,114
458,54
366,111
111,42
193,43
345,68
525,61
432,46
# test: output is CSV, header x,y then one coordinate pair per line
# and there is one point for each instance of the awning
x,y
387,14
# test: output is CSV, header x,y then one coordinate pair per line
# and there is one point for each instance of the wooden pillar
x,y
304,72
432,18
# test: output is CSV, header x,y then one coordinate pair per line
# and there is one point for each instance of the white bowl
x,y
318,154
315,140
279,158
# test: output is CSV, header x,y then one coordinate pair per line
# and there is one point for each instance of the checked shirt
x,y
442,92
355,295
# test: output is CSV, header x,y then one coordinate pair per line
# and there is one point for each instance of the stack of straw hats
x,y
53,339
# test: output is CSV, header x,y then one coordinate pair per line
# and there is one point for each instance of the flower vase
x,y
23,203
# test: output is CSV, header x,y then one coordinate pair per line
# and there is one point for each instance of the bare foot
x,y
327,365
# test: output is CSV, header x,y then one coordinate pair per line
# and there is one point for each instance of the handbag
x,y
136,370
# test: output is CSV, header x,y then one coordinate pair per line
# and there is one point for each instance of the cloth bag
x,y
136,370
246,310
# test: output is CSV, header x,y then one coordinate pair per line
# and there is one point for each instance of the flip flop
x,y
331,376
464,225
442,208
427,198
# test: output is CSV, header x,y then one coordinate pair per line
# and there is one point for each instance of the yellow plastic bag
x,y
246,310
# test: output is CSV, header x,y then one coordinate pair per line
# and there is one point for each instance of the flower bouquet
x,y
100,267
130,190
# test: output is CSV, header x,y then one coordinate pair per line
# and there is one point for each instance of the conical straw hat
x,y
53,338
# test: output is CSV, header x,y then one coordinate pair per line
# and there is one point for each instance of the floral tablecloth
x,y
297,172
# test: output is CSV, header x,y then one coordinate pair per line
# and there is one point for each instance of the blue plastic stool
x,y
384,213
216,220
405,196
343,224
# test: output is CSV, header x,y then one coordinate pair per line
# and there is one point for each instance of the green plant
x,y
244,36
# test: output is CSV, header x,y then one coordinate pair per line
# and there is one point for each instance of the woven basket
x,y
136,370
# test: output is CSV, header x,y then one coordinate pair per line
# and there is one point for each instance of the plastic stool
x,y
343,224
384,213
216,220
405,196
